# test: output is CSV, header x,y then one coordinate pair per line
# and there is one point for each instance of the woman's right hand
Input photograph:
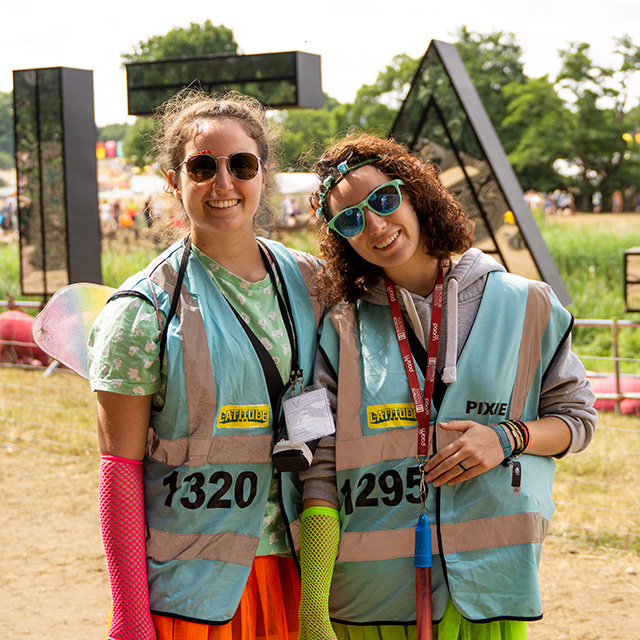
x,y
477,450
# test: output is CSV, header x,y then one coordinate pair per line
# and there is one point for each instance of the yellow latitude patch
x,y
380,416
243,416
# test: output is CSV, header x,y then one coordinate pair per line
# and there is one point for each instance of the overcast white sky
x,y
355,39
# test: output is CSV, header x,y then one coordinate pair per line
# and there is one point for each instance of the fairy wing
x,y
62,328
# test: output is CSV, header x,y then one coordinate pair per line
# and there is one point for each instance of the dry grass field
x,y
53,580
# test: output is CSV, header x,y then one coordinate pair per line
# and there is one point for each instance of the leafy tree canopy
x,y
114,132
194,41
595,97
307,132
494,63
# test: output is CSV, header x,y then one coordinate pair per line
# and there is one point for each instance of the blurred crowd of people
x,y
562,202
558,202
124,214
9,214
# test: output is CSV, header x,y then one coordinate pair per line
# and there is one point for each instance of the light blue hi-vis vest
x,y
208,465
486,539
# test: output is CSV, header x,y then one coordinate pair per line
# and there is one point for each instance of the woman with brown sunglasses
x,y
453,386
191,360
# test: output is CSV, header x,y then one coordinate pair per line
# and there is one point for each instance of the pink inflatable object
x,y
607,384
16,343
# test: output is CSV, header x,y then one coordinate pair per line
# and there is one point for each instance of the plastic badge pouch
x,y
62,328
308,416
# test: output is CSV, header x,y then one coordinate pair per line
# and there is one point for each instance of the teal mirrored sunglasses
x,y
383,200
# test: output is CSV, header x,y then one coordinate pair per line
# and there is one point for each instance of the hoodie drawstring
x,y
449,373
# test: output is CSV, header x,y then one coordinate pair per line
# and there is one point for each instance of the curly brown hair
x,y
446,228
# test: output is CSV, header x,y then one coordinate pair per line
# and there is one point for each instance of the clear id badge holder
x,y
308,418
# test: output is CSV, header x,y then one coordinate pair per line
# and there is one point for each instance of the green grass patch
x,y
588,251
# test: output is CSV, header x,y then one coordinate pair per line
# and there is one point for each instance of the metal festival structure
x,y
444,119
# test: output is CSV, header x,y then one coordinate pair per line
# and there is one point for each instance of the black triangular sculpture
x,y
443,118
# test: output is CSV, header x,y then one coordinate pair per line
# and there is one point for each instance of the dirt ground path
x,y
53,579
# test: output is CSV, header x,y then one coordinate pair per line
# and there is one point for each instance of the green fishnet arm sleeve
x,y
319,537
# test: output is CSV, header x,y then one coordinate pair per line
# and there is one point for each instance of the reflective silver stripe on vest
x,y
472,535
228,449
536,318
308,269
294,527
198,375
237,548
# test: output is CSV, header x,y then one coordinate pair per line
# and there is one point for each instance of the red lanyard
x,y
422,402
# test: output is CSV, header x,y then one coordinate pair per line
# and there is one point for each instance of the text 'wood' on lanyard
x,y
422,402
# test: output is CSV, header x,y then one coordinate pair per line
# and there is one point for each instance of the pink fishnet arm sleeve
x,y
123,535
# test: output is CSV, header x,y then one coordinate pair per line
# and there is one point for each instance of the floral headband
x,y
331,181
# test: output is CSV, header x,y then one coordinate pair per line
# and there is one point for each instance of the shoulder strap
x,y
176,296
271,374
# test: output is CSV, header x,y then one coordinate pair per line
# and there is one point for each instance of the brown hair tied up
x,y
179,121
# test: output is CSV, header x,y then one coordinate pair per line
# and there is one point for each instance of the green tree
x,y
596,97
376,105
138,143
194,41
541,117
306,132
494,63
118,132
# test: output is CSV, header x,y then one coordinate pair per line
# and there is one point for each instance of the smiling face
x,y
224,207
393,242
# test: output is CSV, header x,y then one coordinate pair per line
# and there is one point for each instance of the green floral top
x,y
124,356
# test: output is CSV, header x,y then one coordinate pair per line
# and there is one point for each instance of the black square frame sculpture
x,y
444,119
279,80
55,143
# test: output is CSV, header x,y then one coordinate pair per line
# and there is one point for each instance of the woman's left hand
x,y
477,450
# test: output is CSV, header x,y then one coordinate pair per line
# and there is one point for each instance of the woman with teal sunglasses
x,y
453,385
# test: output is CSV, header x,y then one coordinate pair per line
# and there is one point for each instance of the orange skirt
x,y
268,609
